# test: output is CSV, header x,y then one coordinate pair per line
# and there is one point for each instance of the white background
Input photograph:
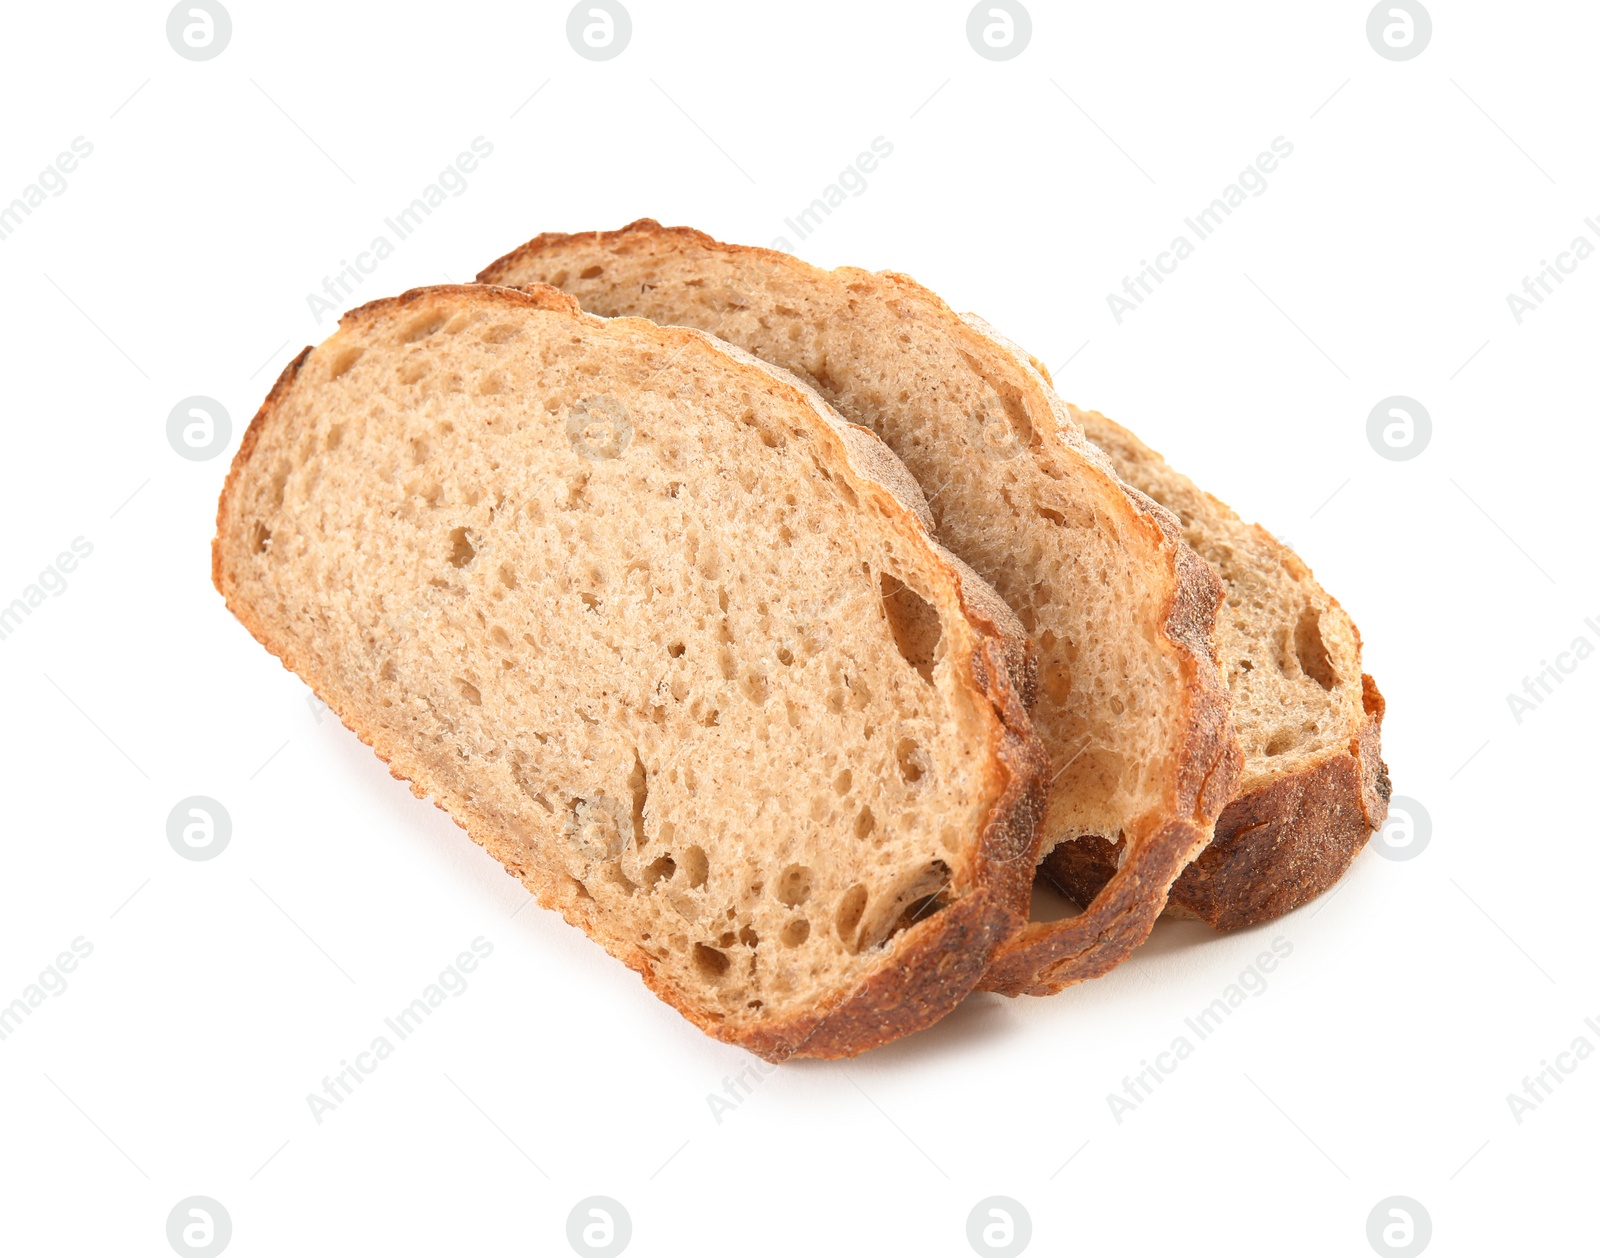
x,y
1377,1061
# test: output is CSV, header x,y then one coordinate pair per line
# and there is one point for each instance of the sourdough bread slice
x,y
665,636
1130,708
1314,785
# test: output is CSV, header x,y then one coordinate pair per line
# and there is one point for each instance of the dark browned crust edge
x,y
1045,957
1276,848
940,959
940,967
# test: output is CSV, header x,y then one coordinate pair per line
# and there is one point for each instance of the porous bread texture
x,y
639,614
1129,707
1314,785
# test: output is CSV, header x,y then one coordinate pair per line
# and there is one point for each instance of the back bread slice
x,y
1130,708
665,636
1314,785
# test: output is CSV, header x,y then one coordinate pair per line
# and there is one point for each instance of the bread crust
x,y
934,963
1285,839
1276,847
1045,957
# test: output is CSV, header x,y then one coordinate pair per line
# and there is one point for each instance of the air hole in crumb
x,y
261,538
848,916
865,822
748,937
912,760
795,932
709,962
1312,652
676,650
461,551
842,783
785,656
507,577
470,693
424,325
344,359
1280,742
590,272
794,885
914,624
695,865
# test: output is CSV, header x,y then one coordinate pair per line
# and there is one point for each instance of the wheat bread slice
x,y
1130,708
1314,786
666,637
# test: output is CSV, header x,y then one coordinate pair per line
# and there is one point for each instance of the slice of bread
x,y
664,635
1314,785
1130,707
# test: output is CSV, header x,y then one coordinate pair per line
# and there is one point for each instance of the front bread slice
x,y
666,637
1130,708
1314,785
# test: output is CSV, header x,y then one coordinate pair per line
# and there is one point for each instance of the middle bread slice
x,y
1130,707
